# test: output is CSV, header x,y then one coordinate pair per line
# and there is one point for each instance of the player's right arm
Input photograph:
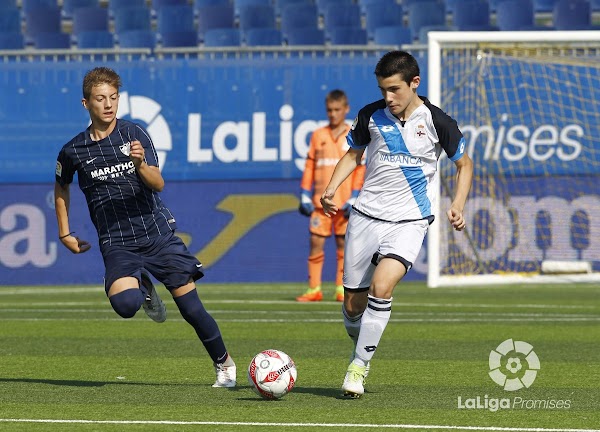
x,y
346,166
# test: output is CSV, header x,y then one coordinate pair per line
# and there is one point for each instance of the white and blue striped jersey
x,y
123,209
402,159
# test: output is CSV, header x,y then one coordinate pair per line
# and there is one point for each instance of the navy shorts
x,y
164,257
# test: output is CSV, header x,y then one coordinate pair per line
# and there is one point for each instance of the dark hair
x,y
336,95
97,76
397,62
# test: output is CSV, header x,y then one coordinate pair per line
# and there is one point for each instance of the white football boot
x,y
226,375
353,386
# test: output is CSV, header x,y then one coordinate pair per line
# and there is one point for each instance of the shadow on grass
x,y
80,383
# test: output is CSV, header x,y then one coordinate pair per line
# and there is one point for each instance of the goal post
x,y
528,104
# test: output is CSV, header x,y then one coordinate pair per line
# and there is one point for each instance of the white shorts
x,y
366,238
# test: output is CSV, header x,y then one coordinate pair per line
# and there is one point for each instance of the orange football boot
x,y
311,295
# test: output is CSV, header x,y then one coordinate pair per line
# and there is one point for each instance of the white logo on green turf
x,y
514,365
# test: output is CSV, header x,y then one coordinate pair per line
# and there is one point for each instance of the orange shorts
x,y
322,225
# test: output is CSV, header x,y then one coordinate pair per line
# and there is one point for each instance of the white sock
x,y
352,325
373,323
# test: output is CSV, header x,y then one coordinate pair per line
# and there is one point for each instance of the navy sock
x,y
206,327
128,302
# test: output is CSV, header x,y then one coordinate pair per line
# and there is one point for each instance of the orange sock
x,y
315,269
339,276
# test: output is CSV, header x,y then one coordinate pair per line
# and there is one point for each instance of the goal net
x,y
528,104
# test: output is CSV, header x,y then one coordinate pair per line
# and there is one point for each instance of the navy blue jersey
x,y
122,208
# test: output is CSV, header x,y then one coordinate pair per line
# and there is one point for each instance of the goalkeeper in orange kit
x,y
327,145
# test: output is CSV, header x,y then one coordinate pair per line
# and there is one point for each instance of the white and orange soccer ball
x,y
272,374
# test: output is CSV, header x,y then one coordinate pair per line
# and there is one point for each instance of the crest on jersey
x,y
420,132
125,148
58,168
354,123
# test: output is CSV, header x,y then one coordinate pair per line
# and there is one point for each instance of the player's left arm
x,y
143,155
464,179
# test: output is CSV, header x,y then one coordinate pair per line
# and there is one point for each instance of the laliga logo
x,y
147,110
513,365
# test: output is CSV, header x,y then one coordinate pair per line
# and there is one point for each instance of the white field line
x,y
286,425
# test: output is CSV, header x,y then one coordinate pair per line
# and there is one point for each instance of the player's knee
x,y
127,303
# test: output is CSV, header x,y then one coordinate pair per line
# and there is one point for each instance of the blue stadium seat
x,y
595,5
7,4
365,5
425,13
27,5
41,20
222,37
263,37
514,14
392,35
10,20
176,18
94,18
322,5
214,17
256,16
132,18
280,5
12,41
95,39
158,4
305,36
347,16
52,41
572,15
543,5
188,38
70,5
113,5
295,16
239,4
347,36
382,14
202,3
137,39
471,14
422,38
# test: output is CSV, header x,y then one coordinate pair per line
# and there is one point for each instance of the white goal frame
x,y
436,41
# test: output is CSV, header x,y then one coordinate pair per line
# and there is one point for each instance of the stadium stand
x,y
422,36
156,5
132,18
69,6
425,13
94,18
10,20
572,15
392,35
95,39
256,16
471,14
202,3
543,5
12,41
187,38
43,19
514,15
7,4
282,4
298,16
52,41
263,37
322,5
27,5
137,39
382,14
305,36
347,16
214,17
347,36
175,18
222,37
239,4
113,5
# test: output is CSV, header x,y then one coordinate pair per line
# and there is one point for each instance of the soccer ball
x,y
272,374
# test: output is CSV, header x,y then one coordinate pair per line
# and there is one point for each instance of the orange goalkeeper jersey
x,y
323,155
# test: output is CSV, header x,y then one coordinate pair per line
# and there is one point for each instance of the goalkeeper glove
x,y
347,207
306,205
